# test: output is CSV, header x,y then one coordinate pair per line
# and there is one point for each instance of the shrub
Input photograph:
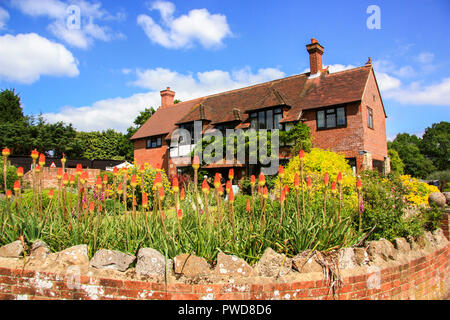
x,y
417,192
11,176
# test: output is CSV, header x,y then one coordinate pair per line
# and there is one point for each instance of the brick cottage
x,y
344,111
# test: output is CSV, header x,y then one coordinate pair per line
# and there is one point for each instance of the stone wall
x,y
413,269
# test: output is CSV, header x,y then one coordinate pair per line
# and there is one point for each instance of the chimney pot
x,y
315,51
167,97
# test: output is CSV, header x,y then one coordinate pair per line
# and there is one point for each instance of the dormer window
x,y
154,142
266,119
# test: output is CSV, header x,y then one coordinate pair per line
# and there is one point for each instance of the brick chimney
x,y
315,51
167,97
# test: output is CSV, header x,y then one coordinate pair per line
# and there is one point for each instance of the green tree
x,y
299,136
416,164
397,166
435,144
107,144
10,108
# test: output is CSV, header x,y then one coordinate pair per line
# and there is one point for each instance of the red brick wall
x,y
49,179
156,157
425,277
445,223
374,139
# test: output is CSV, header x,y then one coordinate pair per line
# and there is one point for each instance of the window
x,y
331,118
189,127
154,142
267,119
223,127
370,118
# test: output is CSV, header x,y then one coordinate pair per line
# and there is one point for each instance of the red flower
x,y
217,180
228,186
41,159
84,177
231,196
262,179
158,180
220,190
34,154
20,172
301,155
180,214
38,168
6,152
175,185
63,159
205,186
59,174
105,179
281,171
79,169
133,182
265,192
120,189
91,206
16,185
339,177
115,171
359,184
72,179
231,174
283,196
248,207
252,180
296,181
8,194
196,162
259,189
161,193
286,189
326,179
98,183
144,200
142,168
308,183
51,193
333,187
182,195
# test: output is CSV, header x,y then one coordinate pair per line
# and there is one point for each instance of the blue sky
x,y
101,74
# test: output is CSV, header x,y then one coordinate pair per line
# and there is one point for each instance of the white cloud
x,y
425,57
58,11
387,82
26,57
4,17
197,26
119,113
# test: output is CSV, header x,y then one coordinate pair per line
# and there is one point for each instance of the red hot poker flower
x,y
252,180
205,186
308,183
142,169
161,193
296,181
281,172
228,186
59,174
133,182
196,162
231,196
265,193
175,185
359,184
98,183
231,174
8,194
6,152
158,180
286,189
339,177
20,172
16,185
38,168
326,179
115,171
301,155
84,177
248,207
105,179
144,200
120,189
333,187
51,193
72,179
262,179
79,169
182,194
34,154
91,206
180,214
217,180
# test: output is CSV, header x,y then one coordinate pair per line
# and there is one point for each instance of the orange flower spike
x,y
180,214
231,174
59,174
133,182
339,177
84,177
333,187
100,208
6,152
38,168
98,183
283,196
120,189
161,193
301,155
220,190
265,192
296,181
281,172
286,189
63,159
228,186
51,193
79,169
326,179
91,206
231,196
175,185
8,194
34,154
115,171
142,169
205,187
158,180
252,180
182,194
105,179
19,172
308,183
41,159
66,178
359,184
144,200
248,207
72,179
16,185
163,216
259,189
196,162
262,179
217,181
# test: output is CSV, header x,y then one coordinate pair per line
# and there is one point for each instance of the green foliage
x,y
11,176
416,164
10,108
107,144
442,176
299,136
397,166
435,144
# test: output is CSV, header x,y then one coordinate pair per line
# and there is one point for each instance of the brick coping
x,y
424,277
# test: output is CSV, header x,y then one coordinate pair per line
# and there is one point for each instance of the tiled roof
x,y
297,92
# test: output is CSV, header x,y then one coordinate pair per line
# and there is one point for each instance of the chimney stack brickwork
x,y
167,97
315,51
